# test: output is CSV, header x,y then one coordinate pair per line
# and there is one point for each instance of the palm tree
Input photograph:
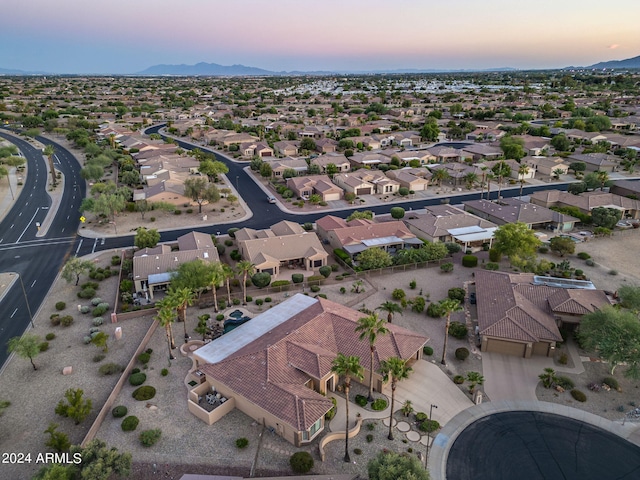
x,y
484,170
474,378
394,369
246,268
48,152
165,317
501,170
228,273
347,367
390,308
215,276
548,377
180,299
447,307
439,175
523,170
490,176
470,179
369,328
603,178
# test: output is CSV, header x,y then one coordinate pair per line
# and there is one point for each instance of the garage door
x,y
331,196
363,191
541,348
509,348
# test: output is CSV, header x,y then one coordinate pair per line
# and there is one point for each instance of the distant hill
x,y
629,63
203,68
10,71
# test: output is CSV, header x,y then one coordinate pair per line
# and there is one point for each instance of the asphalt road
x,y
535,445
36,260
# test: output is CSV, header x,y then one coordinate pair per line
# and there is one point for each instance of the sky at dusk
x,y
125,36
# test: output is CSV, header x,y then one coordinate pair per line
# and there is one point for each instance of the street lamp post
x,y
26,301
237,185
426,460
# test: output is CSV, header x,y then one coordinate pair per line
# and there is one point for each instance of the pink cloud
x,y
613,47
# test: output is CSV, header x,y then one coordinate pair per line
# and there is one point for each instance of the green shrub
x,y
110,369
583,255
99,310
564,359
84,309
115,260
315,288
145,392
55,319
281,283
86,292
297,278
96,301
232,232
267,299
379,404
136,379
135,370
447,267
613,272
325,271
301,462
458,379
429,426
219,317
361,400
458,330
126,285
99,357
149,351
492,266
462,353
60,306
144,358
130,423
96,322
427,350
578,395
565,382
242,442
357,451
315,278
611,382
93,285
452,247
470,261
343,290
543,249
370,426
369,438
164,372
334,267
590,263
66,321
177,211
456,293
44,346
332,412
421,416
261,279
259,301
148,438
119,411
249,298
398,294
50,336
495,255
433,310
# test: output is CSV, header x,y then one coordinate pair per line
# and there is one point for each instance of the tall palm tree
x,y
523,170
390,308
369,328
470,179
490,176
165,317
48,152
246,268
447,307
484,170
180,299
501,170
603,178
439,175
215,276
394,369
228,273
347,367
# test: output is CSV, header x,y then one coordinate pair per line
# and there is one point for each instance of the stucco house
x,y
276,368
520,315
315,184
587,201
340,161
284,244
406,178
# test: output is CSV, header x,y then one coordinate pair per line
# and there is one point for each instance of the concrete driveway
x,y
428,385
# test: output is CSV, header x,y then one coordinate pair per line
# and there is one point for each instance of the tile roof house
x,y
512,210
516,316
315,184
337,159
276,368
286,148
407,179
364,159
587,201
285,243
279,165
595,161
546,165
152,266
359,235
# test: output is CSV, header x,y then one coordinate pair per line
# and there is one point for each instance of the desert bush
x,y
135,370
84,309
462,353
164,372
578,395
369,438
447,267
55,319
429,426
452,247
492,266
433,310
297,278
583,255
130,423
115,260
543,249
50,336
145,392
259,301
242,442
325,271
565,382
119,411
458,379
421,416
456,293
379,404
144,357
60,306
87,292
98,357
148,438
136,379
301,462
44,346
110,369
126,285
611,382
470,261
494,255
315,288
590,263
219,317
458,330
261,279
564,359
398,294
97,321
361,400
427,350
99,310
332,412
66,321
96,301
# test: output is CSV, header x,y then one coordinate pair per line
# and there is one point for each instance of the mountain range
x,y
214,69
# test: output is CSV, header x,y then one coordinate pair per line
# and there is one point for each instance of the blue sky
x,y
124,36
